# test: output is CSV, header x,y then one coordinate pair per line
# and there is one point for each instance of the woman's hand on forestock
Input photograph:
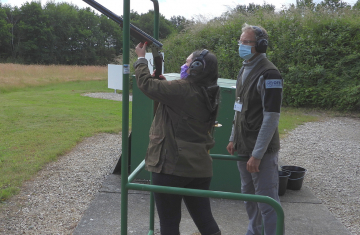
x,y
162,77
140,49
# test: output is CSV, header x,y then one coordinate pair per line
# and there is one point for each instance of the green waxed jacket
x,y
179,135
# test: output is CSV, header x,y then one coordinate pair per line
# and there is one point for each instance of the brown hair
x,y
210,74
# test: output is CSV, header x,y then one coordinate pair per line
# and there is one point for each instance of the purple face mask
x,y
183,73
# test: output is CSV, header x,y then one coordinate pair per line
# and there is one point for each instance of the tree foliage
x,y
180,22
146,23
58,33
314,46
357,5
5,32
61,33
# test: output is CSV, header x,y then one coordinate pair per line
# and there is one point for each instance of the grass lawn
x,y
290,118
38,124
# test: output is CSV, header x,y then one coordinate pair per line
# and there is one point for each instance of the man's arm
x,y
271,99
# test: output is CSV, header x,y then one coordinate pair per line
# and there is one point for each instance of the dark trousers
x,y
169,205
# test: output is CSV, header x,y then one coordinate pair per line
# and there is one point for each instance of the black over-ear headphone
x,y
198,64
261,42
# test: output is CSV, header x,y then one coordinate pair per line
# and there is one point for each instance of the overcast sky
x,y
168,8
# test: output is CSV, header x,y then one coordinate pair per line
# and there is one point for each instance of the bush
x,y
315,49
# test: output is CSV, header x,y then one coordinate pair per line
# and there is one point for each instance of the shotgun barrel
x,y
134,31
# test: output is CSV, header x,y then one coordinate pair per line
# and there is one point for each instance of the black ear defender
x,y
261,42
198,65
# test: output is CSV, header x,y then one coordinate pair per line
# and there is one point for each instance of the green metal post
x,y
152,204
156,19
152,211
125,117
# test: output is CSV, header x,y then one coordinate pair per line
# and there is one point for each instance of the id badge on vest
x,y
238,105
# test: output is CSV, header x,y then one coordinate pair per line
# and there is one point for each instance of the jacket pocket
x,y
250,136
154,150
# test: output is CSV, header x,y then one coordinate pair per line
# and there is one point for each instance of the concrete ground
x,y
304,214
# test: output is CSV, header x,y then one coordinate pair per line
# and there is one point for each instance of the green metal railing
x,y
208,193
126,180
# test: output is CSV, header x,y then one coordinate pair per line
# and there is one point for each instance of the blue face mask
x,y
183,71
245,52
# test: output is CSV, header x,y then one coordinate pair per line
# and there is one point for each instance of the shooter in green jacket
x,y
181,137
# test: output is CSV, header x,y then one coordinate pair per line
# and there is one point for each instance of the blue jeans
x,y
169,205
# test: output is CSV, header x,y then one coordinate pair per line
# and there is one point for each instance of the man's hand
x,y
230,148
140,49
253,164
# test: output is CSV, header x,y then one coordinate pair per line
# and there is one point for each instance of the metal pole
x,y
228,157
152,203
125,117
156,19
152,211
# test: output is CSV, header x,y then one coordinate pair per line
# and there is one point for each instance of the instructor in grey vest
x,y
255,133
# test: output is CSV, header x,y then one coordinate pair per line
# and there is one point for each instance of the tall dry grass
x,y
19,76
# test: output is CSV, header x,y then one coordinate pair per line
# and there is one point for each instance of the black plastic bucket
x,y
296,177
283,181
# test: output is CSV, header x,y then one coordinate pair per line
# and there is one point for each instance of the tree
x,y
5,34
180,22
333,4
134,16
62,22
357,5
111,34
146,23
13,16
33,33
85,37
305,4
251,8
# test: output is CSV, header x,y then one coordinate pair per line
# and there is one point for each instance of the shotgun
x,y
137,33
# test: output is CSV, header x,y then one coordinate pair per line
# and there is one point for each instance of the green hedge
x,y
317,51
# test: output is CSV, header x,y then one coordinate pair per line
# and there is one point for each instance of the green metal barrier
x,y
125,179
208,193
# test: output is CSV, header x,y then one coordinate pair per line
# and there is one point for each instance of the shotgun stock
x,y
135,32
